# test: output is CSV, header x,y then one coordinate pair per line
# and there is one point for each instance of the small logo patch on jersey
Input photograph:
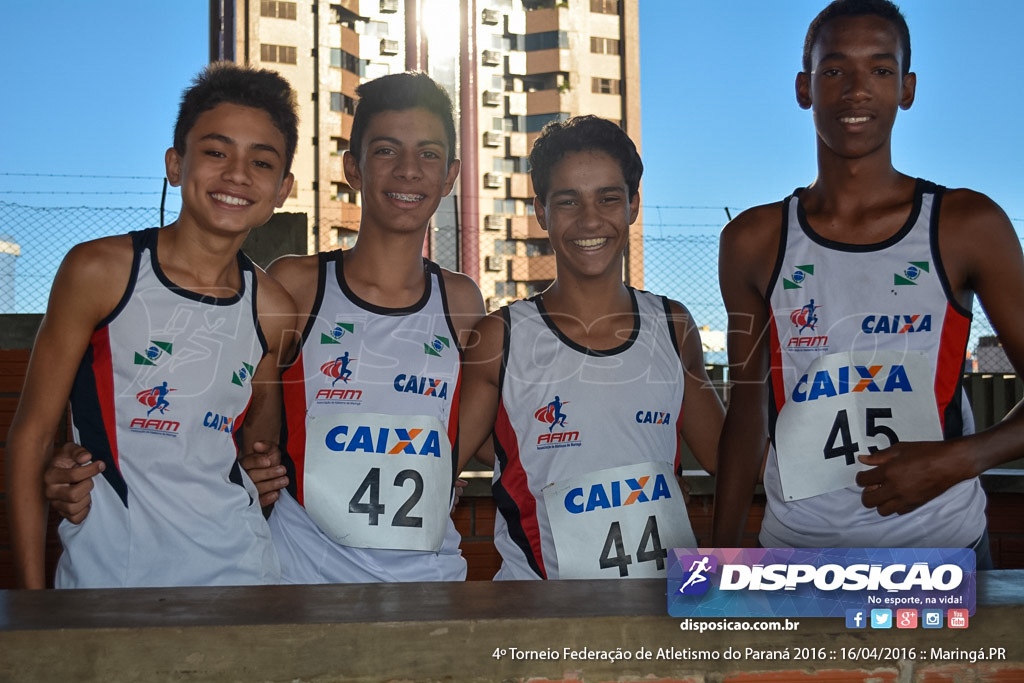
x,y
335,334
155,399
798,277
338,369
153,352
436,346
220,423
805,319
911,273
424,386
242,375
648,417
896,324
552,415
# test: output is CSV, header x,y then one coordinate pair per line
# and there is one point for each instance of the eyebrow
x,y
229,141
573,193
843,55
398,143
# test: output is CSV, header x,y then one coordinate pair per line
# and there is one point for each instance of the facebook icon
x,y
855,618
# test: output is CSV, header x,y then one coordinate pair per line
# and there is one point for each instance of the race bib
x,y
850,404
618,522
379,481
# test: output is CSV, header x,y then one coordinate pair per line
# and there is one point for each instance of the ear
x,y
285,190
538,210
634,207
803,90
352,174
172,163
453,174
909,90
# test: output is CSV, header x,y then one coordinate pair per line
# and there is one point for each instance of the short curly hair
x,y
579,134
230,83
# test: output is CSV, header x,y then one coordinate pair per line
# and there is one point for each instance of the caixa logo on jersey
x,y
155,400
615,493
816,582
384,440
424,386
219,423
653,417
851,379
896,324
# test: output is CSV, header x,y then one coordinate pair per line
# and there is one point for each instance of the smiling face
x,y
587,213
855,87
232,172
402,171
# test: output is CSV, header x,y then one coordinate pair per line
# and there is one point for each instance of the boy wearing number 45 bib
x,y
854,333
589,385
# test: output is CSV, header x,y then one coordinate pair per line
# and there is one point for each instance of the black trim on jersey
x,y
625,346
88,420
339,269
133,278
915,213
671,327
933,240
434,269
247,265
188,293
508,509
783,241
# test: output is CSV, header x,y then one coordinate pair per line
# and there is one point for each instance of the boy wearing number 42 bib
x,y
854,331
589,385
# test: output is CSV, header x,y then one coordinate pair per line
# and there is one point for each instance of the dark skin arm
x,y
981,255
479,406
743,274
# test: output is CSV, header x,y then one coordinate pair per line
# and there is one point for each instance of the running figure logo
x,y
697,582
552,414
805,317
155,398
338,368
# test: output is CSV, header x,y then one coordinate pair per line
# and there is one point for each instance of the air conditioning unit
x,y
493,138
389,6
490,17
493,98
493,181
388,47
491,58
494,264
495,223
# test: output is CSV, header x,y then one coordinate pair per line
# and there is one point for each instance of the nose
x,y
408,166
857,86
237,170
590,214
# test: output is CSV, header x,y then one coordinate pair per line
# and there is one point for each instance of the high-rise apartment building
x,y
510,65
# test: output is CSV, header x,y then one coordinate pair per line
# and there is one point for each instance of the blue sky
x,y
93,88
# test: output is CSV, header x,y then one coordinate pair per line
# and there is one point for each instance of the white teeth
x,y
855,119
591,243
228,199
406,197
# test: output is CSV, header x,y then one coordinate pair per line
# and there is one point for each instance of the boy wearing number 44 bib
x,y
854,333
589,385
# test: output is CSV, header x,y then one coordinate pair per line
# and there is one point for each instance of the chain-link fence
x,y
680,260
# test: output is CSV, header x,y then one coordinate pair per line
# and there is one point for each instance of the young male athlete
x,y
166,340
863,388
589,385
369,461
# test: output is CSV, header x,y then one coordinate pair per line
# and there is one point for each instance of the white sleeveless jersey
x,y
163,386
867,348
587,443
371,417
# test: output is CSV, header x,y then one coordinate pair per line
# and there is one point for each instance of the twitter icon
x,y
881,618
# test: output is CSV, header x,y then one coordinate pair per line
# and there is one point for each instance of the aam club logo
x,y
695,579
153,352
338,369
552,414
155,398
334,335
806,317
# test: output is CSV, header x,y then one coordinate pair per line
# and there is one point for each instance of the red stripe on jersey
x,y
679,436
103,372
453,414
516,484
778,384
950,363
293,393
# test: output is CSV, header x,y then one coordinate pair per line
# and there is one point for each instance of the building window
x,y
605,86
505,207
505,247
278,10
346,239
539,248
348,62
504,288
341,102
536,122
604,46
281,54
548,40
604,6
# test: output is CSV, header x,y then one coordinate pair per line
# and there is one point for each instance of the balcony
x,y
520,186
526,228
533,268
544,101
